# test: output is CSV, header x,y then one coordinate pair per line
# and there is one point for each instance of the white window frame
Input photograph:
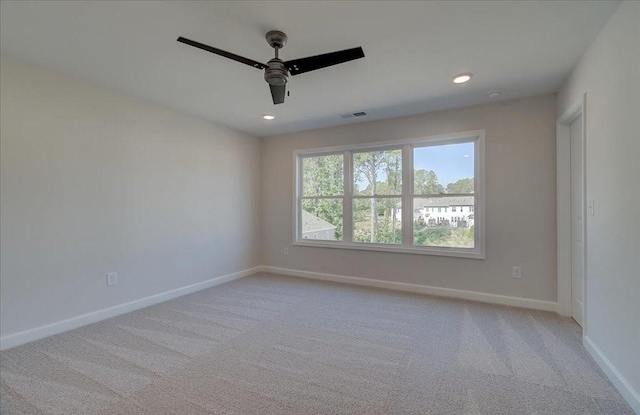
x,y
407,146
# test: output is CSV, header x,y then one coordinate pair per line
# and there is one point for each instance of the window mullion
x,y
407,190
347,201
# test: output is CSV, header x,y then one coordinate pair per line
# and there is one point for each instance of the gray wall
x,y
608,74
93,181
520,201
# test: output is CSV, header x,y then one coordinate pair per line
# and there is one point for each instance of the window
x,y
379,196
322,196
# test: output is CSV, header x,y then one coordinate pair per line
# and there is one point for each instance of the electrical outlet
x,y
286,250
516,272
112,278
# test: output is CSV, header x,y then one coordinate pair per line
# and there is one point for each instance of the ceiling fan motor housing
x,y
276,74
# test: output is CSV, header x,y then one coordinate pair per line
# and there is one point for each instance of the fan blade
x,y
220,52
298,66
277,93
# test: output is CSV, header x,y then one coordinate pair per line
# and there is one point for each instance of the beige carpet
x,y
269,344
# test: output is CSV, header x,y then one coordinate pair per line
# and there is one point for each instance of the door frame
x,y
563,198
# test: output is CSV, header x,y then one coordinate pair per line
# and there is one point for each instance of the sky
x,y
450,163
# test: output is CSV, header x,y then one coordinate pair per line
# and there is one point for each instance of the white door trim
x,y
563,196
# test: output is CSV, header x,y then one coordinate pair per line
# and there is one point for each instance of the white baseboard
x,y
16,339
423,289
624,387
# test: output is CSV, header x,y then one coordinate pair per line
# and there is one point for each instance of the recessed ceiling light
x,y
268,117
461,78
494,94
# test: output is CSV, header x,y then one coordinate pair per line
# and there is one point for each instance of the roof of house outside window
x,y
443,201
312,223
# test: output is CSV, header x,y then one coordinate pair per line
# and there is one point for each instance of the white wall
x,y
608,73
520,202
93,181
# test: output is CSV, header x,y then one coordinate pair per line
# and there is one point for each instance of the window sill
x,y
448,252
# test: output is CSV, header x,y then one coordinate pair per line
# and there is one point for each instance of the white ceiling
x,y
412,50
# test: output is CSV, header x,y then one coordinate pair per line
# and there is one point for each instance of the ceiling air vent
x,y
353,114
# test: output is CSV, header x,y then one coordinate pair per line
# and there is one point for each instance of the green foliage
x,y
323,176
426,183
461,186
442,236
387,228
369,167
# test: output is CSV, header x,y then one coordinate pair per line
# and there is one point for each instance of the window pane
x,y
377,220
322,219
323,175
443,169
435,223
377,173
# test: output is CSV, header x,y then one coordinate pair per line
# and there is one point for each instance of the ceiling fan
x,y
277,71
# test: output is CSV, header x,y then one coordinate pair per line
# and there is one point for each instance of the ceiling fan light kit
x,y
277,71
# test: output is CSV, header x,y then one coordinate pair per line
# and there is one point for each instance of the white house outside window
x,y
421,195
